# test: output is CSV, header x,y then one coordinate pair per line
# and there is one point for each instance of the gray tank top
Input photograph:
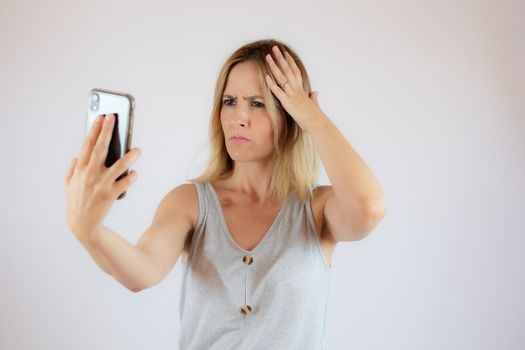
x,y
271,297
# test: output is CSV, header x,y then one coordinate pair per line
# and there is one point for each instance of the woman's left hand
x,y
304,109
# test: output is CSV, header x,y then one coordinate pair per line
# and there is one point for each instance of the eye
x,y
228,102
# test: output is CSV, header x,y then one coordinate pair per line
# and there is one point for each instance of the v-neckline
x,y
227,230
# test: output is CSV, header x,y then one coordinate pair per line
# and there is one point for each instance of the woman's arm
x,y
355,203
117,257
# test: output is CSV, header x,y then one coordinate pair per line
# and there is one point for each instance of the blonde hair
x,y
295,159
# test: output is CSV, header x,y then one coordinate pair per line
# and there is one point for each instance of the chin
x,y
247,155
246,158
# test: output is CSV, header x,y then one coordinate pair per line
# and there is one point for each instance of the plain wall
x,y
431,94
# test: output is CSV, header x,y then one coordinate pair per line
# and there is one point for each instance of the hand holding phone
x,y
90,185
110,102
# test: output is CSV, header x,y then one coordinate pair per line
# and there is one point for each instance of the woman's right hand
x,y
90,186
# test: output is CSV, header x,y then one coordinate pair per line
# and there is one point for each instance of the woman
x,y
255,235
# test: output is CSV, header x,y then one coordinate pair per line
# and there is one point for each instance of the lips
x,y
239,137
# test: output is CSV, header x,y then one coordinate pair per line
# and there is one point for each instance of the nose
x,y
241,115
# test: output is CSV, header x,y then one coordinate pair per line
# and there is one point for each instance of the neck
x,y
251,179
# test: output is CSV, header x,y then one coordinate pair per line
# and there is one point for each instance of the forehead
x,y
244,79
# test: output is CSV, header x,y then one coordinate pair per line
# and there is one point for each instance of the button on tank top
x,y
272,297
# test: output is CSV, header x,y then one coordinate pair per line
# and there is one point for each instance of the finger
x,y
295,68
123,184
70,171
281,95
284,66
90,141
278,75
122,164
100,150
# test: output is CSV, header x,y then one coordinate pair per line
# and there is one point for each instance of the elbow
x,y
136,287
144,285
375,212
132,287
135,290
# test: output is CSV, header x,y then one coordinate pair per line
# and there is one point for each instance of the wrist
x,y
318,120
86,235
95,234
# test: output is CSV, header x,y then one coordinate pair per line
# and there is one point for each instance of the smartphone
x,y
102,101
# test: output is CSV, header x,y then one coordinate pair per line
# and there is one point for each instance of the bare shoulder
x,y
184,198
170,231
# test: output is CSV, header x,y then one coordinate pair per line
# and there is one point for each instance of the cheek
x,y
224,117
222,114
265,125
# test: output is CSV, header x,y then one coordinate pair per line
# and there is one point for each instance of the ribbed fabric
x,y
284,279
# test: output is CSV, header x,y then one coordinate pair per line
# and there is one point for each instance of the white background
x,y
431,94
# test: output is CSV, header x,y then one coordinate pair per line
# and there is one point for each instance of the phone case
x,y
103,101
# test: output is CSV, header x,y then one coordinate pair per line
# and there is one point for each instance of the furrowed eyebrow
x,y
246,97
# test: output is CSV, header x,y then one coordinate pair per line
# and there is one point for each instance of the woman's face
x,y
243,113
